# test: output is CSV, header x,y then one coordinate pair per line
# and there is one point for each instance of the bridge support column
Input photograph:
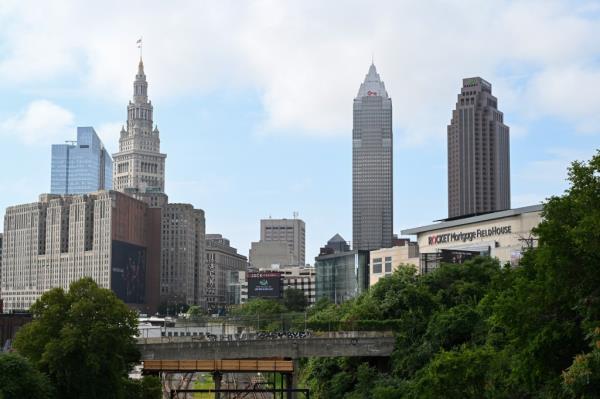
x,y
289,385
217,379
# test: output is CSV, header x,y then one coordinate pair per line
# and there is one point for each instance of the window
x,y
377,267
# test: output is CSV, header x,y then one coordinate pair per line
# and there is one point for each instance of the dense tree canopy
x,y
19,379
294,300
482,330
82,339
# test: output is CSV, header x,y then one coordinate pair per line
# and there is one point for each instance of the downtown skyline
x,y
236,148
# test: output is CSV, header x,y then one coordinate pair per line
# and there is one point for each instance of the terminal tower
x,y
139,166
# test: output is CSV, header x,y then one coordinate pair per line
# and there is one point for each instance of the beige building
x,y
290,231
139,166
265,254
223,267
384,261
183,272
107,236
502,235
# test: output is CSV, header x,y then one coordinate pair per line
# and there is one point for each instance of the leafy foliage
x,y
19,379
82,339
294,300
479,330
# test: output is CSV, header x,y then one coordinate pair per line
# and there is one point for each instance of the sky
x,y
254,99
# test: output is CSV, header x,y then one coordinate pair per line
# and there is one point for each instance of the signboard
x,y
265,285
469,235
128,272
457,256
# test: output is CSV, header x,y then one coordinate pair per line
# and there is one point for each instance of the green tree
x,y
19,379
82,339
195,313
294,300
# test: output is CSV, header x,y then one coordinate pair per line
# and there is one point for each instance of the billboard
x,y
128,272
457,256
265,285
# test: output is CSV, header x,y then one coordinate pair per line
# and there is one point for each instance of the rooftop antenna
x,y
295,214
139,45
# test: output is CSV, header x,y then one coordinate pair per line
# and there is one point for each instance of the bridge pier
x,y
217,379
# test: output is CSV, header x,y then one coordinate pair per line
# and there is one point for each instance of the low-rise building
x,y
384,261
503,235
300,278
341,275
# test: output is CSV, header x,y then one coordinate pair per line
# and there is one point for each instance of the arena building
x,y
503,235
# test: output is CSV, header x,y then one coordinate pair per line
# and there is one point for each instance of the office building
x,y
341,275
139,166
290,231
503,235
81,166
223,267
478,153
383,262
108,236
264,254
183,271
372,182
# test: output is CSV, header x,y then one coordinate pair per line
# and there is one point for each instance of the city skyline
x,y
77,84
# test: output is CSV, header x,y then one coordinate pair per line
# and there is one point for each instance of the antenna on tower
x,y
139,44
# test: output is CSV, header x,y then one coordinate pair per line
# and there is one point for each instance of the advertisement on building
x,y
265,285
128,272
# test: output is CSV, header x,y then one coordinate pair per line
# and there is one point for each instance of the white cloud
x,y
41,122
307,59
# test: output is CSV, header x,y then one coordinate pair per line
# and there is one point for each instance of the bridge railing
x,y
259,337
287,322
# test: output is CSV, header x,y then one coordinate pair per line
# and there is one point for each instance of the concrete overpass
x,y
321,344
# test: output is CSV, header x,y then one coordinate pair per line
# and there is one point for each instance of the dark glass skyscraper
x,y
81,167
478,153
372,184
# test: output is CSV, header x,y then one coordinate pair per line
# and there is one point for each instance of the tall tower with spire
x,y
139,166
372,183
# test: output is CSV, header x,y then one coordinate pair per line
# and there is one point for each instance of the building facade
x,y
478,153
290,231
341,275
139,166
223,266
265,254
108,236
383,262
183,267
372,171
503,235
81,167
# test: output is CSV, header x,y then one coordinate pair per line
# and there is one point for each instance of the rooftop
x,y
474,219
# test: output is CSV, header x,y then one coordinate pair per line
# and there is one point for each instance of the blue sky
x,y
254,99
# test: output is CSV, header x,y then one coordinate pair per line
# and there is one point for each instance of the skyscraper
x,y
478,153
81,167
139,166
372,184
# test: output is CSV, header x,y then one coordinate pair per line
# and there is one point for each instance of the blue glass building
x,y
81,167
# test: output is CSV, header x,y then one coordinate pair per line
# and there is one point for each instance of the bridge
x,y
319,344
